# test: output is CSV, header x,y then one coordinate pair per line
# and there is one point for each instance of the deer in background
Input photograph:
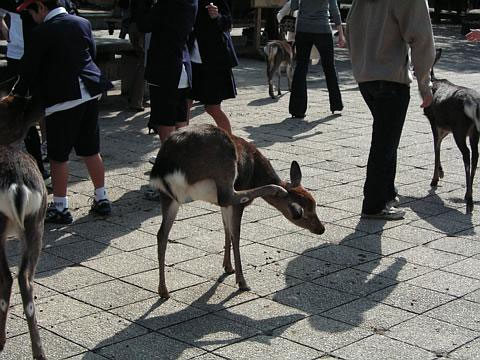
x,y
455,109
203,162
279,53
23,201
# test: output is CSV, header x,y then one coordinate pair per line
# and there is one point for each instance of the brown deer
x,y
203,162
279,53
23,201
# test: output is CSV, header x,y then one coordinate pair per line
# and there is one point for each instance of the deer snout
x,y
319,229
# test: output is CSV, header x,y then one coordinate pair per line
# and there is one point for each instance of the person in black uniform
x,y
213,57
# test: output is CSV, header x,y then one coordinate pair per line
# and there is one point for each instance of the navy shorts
x,y
75,128
167,108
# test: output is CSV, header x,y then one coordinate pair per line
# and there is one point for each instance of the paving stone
x,y
412,234
322,333
311,298
71,278
209,267
119,294
175,253
87,356
156,313
456,245
54,346
379,244
150,346
467,352
175,279
259,231
265,347
133,240
295,242
375,347
394,268
81,251
46,262
355,282
410,298
441,224
122,264
369,226
262,281
15,325
467,267
304,267
178,231
262,314
279,222
209,332
369,314
260,255
474,296
342,255
210,241
57,309
458,312
448,283
428,257
436,336
109,329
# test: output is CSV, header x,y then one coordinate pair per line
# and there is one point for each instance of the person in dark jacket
x,y
168,68
58,68
213,57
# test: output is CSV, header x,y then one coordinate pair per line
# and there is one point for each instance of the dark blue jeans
x,y
303,44
388,103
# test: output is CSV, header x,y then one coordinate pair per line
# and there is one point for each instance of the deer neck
x,y
264,174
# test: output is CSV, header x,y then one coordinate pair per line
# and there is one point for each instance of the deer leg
x,y
474,147
279,91
233,216
270,78
462,145
33,239
227,261
5,282
169,212
438,136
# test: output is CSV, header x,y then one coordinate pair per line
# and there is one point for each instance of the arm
x,y
414,23
473,35
221,14
4,28
337,19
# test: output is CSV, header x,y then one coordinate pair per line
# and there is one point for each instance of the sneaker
x,y
54,216
394,202
389,213
102,207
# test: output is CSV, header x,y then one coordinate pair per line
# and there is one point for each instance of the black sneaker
x,y
102,207
54,216
389,213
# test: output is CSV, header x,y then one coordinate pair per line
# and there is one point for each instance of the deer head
x,y
17,115
298,206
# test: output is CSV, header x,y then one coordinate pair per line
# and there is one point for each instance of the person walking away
x,y
379,36
313,28
213,57
58,68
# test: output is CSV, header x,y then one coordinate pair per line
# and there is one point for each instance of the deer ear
x,y
295,174
296,211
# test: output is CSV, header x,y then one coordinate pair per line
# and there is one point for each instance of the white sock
x,y
61,203
100,194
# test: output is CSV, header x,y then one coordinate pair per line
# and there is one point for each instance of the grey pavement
x,y
363,290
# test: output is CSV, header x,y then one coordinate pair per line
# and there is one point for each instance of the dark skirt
x,y
210,85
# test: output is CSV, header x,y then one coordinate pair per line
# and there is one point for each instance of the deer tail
x,y
471,108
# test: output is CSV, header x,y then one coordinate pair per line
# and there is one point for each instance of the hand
x,y
474,35
212,11
427,101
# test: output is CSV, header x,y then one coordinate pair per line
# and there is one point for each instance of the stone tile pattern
x,y
409,289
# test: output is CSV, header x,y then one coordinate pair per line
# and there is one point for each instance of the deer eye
x,y
296,210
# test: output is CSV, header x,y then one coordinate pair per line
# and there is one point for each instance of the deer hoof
x,y
242,286
434,183
40,357
163,292
441,174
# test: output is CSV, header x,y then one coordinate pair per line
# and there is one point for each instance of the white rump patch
x,y
30,309
31,204
472,110
3,305
205,190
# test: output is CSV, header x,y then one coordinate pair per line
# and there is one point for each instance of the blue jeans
x,y
388,103
303,45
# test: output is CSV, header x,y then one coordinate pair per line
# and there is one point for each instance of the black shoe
x,y
339,108
389,213
54,216
102,207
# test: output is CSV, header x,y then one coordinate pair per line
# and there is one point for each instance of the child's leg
x,y
96,170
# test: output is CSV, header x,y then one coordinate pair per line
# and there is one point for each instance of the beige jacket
x,y
379,36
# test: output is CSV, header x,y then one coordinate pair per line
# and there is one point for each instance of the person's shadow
x,y
192,325
289,130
